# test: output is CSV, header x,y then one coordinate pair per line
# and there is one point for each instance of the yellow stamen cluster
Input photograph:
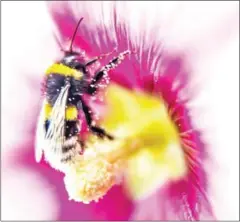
x,y
92,175
146,149
90,180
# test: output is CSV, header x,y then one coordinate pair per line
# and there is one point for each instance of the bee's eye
x,y
68,59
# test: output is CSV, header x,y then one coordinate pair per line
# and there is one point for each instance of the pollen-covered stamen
x,y
90,178
90,181
144,135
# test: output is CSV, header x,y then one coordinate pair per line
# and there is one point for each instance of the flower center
x,y
146,149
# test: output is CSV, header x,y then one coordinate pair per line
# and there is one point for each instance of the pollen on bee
x,y
90,180
92,175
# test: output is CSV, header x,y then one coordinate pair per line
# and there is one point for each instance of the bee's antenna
x,y
74,34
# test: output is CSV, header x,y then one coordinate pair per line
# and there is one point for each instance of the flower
x,y
156,144
179,196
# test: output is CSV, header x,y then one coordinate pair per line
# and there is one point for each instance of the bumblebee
x,y
58,126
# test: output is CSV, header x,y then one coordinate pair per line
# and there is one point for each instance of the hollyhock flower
x,y
155,167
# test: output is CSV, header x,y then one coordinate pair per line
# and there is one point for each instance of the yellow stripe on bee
x,y
71,112
64,70
48,110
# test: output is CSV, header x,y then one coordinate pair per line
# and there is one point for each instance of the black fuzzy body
x,y
85,85
54,82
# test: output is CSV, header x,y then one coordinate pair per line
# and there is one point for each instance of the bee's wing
x,y
55,133
40,134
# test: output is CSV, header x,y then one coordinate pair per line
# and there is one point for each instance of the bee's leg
x,y
82,144
111,65
79,139
92,61
95,129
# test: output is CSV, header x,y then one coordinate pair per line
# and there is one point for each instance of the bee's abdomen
x,y
70,149
72,124
72,128
72,145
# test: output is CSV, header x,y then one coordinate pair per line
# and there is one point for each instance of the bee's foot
x,y
83,146
110,137
101,133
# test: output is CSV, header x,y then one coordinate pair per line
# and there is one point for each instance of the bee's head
x,y
71,59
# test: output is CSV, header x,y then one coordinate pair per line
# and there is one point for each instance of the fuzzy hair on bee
x,y
58,127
